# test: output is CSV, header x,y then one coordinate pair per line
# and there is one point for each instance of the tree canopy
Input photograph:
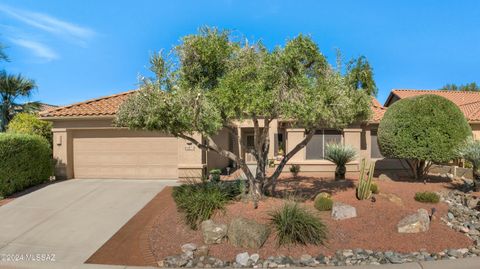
x,y
422,130
469,87
13,87
210,81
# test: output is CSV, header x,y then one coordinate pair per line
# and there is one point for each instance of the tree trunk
x,y
476,178
340,172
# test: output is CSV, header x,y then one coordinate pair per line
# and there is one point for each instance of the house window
x,y
374,149
279,143
315,149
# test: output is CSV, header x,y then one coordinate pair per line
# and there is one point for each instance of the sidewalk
x,y
467,263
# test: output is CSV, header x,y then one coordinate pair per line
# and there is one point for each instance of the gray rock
x,y
472,202
255,257
415,223
341,211
450,216
213,233
247,233
189,247
242,258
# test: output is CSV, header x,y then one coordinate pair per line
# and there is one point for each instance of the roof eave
x,y
93,117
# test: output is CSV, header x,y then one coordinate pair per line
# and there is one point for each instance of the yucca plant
x,y
470,151
340,155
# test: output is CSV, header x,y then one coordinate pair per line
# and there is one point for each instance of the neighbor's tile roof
x,y
468,102
104,106
377,110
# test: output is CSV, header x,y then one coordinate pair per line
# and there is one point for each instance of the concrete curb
x,y
466,263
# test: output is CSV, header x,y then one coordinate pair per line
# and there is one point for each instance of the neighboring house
x,y
86,145
467,101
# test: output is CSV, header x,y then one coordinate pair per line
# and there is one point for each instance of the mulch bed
x,y
158,230
130,245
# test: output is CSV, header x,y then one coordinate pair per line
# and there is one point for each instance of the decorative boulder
x,y
415,223
341,211
213,233
247,233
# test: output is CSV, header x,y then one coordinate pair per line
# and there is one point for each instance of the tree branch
x,y
273,178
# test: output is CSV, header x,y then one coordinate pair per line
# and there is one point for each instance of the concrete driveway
x,y
70,220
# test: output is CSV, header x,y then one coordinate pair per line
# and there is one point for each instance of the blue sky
x,y
76,50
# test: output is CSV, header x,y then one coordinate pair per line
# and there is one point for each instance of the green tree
x,y
470,151
469,87
12,87
422,130
3,55
212,82
28,123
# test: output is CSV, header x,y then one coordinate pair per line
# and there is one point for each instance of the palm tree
x,y
13,87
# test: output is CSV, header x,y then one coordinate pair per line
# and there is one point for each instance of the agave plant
x,y
470,151
340,155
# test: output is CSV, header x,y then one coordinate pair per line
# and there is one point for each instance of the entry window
x,y
279,143
374,148
315,149
250,141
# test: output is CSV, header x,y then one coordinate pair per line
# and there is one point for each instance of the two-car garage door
x,y
124,154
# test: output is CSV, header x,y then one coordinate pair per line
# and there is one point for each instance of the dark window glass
x,y
316,147
374,149
250,141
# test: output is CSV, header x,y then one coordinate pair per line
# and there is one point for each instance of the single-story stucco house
x,y
86,145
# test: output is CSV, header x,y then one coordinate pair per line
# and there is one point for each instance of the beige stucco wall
x,y
215,160
475,130
191,160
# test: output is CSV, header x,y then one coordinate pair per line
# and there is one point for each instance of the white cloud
x,y
38,49
50,24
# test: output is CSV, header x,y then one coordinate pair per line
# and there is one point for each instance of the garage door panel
x,y
107,156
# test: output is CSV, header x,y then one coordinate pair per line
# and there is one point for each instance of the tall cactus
x,y
365,181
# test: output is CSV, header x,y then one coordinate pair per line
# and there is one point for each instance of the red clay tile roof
x,y
103,106
468,102
377,110
108,106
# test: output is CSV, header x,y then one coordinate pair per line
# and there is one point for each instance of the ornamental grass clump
x,y
199,201
427,197
296,225
340,155
470,151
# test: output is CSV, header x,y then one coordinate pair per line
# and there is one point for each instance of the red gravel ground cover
x,y
374,228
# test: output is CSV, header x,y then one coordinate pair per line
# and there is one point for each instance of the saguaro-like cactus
x,y
365,181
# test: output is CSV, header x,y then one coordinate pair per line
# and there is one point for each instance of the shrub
x,y
374,188
340,155
470,151
26,161
199,201
26,123
427,197
215,175
422,130
323,203
295,169
296,225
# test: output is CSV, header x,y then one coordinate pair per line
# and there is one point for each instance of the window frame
x,y
322,133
